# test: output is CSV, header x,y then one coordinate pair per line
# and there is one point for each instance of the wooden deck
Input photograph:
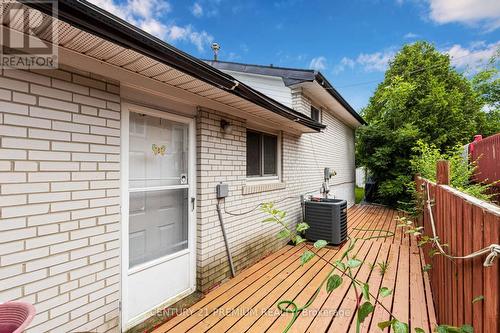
x,y
247,303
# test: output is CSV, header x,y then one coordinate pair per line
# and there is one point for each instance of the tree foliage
x,y
461,171
486,84
422,97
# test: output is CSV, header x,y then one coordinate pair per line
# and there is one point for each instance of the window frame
x,y
320,114
263,178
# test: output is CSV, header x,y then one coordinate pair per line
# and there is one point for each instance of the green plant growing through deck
x,y
417,231
278,216
383,266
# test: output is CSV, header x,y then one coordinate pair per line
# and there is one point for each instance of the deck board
x,y
247,303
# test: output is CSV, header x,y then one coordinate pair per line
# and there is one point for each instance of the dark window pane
x,y
315,114
270,154
253,153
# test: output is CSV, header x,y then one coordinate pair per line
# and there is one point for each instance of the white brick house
x,y
108,168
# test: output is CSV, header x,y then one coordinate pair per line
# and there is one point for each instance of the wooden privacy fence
x,y
465,224
487,155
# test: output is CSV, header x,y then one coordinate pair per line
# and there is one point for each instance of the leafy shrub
x,y
461,171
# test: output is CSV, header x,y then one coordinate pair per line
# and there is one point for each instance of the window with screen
x,y
316,114
262,154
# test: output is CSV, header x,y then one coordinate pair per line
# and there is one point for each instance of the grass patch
x,y
359,193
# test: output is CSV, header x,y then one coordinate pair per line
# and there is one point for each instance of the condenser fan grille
x,y
327,220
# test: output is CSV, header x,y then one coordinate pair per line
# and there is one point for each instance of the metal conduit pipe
x,y
228,249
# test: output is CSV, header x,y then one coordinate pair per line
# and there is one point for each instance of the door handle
x,y
193,201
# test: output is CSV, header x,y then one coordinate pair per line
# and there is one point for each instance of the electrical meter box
x,y
222,190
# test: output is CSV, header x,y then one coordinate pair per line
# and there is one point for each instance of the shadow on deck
x,y
247,303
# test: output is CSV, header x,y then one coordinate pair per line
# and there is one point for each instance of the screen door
x,y
159,210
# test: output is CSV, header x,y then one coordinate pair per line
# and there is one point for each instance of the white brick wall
x,y
222,157
59,198
300,102
59,194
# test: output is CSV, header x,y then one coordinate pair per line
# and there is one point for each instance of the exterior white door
x,y
160,201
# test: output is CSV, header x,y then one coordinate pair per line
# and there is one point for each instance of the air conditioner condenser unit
x,y
327,219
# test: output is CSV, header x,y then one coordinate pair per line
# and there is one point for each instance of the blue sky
x,y
350,42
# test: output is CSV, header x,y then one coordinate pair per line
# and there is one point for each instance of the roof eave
x,y
290,77
335,94
99,22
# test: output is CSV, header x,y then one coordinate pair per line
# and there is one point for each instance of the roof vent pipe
x,y
215,48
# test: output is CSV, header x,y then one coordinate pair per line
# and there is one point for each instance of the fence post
x,y
443,172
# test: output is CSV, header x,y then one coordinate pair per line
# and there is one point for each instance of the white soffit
x,y
317,92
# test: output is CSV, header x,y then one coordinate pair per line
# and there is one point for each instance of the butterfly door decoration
x,y
159,150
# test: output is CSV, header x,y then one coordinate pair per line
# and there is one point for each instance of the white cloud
x,y
411,35
149,8
318,63
344,63
110,6
473,57
369,62
470,58
200,39
154,28
375,62
206,8
149,16
485,13
197,10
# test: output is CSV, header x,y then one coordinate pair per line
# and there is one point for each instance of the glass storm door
x,y
159,204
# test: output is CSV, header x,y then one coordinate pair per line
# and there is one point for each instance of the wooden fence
x,y
487,155
465,224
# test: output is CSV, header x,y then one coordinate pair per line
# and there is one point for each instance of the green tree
x,y
486,84
422,98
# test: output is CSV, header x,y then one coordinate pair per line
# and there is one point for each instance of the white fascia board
x,y
321,98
